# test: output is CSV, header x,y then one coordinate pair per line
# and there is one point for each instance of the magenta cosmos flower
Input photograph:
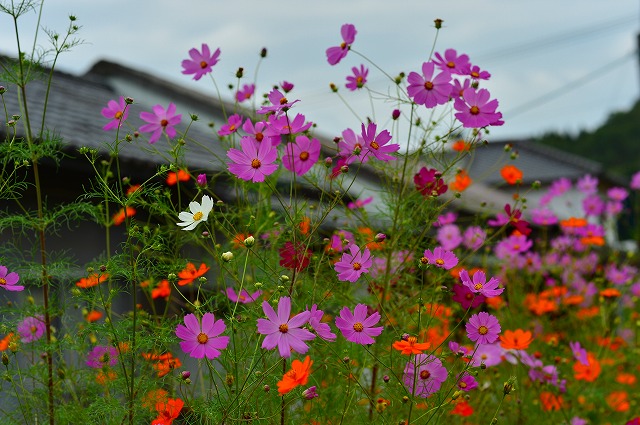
x,y
353,263
452,62
101,356
233,124
427,89
358,79
475,110
442,258
322,329
300,156
428,181
253,162
8,280
31,329
201,341
244,297
483,328
279,103
357,327
479,284
377,143
201,62
245,93
467,299
117,112
337,53
352,147
159,121
284,332
424,375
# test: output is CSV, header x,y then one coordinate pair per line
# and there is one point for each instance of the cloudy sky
x,y
556,65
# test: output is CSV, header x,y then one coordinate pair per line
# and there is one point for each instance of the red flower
x,y
163,290
189,274
295,257
173,178
119,217
168,411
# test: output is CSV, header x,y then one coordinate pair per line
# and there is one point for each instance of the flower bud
x,y
263,52
3,89
240,72
5,358
201,180
438,23
310,393
380,237
266,388
227,256
249,241
185,374
333,88
395,114
328,162
128,100
386,378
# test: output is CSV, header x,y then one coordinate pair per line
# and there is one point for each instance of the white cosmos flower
x,y
199,212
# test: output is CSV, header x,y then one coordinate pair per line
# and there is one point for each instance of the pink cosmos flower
x,y
428,181
424,375
592,205
483,328
322,329
458,87
587,184
252,163
336,54
159,121
441,258
279,103
487,354
427,89
255,132
479,285
286,86
101,356
449,236
358,79
359,203
233,124
340,241
245,92
476,73
635,181
352,147
579,353
357,327
31,329
300,156
475,110
117,112
202,340
353,263
201,62
284,332
377,143
283,124
474,237
618,194
543,217
243,297
452,62
444,219
8,280
466,382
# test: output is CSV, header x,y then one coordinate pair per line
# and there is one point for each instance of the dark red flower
x,y
295,257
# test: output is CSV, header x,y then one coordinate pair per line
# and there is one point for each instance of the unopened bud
x,y
249,241
333,88
438,23
240,72
5,359
395,114
227,256
128,100
263,52
380,237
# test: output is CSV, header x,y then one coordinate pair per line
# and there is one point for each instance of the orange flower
x,y
173,178
539,305
573,222
165,363
305,225
163,290
618,401
132,189
592,240
511,174
588,312
168,411
610,293
189,274
119,217
91,280
551,401
626,378
4,342
587,373
495,303
368,235
298,375
238,239
93,316
461,146
515,340
461,182
411,346
462,408
102,377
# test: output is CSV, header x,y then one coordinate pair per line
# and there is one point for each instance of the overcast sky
x,y
556,65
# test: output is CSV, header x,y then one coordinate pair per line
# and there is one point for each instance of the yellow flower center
x,y
462,385
304,156
256,163
358,327
198,216
118,115
440,261
483,330
425,374
283,101
343,45
33,329
284,328
424,260
475,75
451,64
477,286
202,338
428,85
359,81
474,110
412,340
203,64
374,145
3,281
357,266
232,127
